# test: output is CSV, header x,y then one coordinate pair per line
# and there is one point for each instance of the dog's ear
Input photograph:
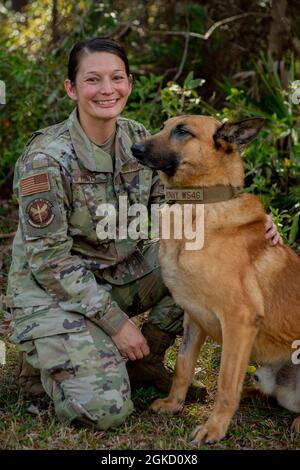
x,y
239,133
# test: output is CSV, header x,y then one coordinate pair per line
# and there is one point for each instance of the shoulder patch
x,y
38,183
40,213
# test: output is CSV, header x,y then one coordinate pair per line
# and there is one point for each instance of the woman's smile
x,y
106,103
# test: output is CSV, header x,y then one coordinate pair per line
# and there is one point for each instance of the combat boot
x,y
29,378
151,370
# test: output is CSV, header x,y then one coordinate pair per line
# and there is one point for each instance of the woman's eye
x,y
117,78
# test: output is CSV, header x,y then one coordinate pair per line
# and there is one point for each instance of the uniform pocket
x,y
138,184
41,321
89,191
133,268
78,353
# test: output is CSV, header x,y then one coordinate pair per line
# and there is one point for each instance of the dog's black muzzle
x,y
139,151
156,161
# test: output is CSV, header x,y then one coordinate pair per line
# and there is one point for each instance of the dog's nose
x,y
138,150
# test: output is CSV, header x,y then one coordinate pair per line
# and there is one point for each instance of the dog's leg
x,y
238,336
192,341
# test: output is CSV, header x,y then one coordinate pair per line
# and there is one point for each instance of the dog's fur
x,y
238,289
282,381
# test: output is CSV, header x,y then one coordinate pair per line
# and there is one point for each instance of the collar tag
x,y
184,195
201,195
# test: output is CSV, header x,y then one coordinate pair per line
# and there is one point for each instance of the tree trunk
x,y
54,23
279,38
17,5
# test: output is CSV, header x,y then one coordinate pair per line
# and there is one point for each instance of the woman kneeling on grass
x,y
73,294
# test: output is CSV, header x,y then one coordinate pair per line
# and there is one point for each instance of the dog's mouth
x,y
165,163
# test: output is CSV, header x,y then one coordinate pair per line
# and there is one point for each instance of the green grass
x,y
258,424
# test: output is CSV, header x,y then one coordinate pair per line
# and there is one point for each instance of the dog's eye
x,y
181,131
187,163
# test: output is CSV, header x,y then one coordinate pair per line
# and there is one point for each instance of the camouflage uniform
x,y
70,291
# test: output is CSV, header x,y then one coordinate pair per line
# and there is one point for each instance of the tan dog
x,y
237,289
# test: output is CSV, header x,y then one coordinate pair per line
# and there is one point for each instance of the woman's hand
x,y
130,342
271,232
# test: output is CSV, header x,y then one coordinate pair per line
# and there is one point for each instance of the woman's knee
x,y
88,403
86,378
109,416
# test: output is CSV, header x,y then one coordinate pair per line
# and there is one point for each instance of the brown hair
x,y
90,45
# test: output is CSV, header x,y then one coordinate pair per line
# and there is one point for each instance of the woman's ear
x,y
70,89
131,79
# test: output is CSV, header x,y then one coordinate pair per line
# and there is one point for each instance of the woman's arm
x,y
43,217
48,245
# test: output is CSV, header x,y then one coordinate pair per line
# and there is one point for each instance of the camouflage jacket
x,y
57,258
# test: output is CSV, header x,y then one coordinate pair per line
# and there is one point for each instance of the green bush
x,y
36,98
272,161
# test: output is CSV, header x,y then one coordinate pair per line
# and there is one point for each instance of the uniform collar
x,y
124,160
94,158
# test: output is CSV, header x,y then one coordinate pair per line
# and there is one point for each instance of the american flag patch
x,y
35,184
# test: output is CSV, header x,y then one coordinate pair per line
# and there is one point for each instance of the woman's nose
x,y
106,86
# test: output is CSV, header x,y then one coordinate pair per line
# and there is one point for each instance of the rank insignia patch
x,y
35,184
40,213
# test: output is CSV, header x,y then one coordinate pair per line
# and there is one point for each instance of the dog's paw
x,y
166,405
296,425
208,433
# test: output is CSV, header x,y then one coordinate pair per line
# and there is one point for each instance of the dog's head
x,y
198,150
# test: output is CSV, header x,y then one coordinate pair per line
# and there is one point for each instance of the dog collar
x,y
201,195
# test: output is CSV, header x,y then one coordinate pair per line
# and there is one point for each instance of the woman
x,y
73,294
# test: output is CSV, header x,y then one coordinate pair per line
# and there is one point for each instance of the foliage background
x,y
228,58
232,59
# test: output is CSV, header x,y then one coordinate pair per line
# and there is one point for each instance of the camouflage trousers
x,y
83,372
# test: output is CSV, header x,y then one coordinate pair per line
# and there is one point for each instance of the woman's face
x,y
102,86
